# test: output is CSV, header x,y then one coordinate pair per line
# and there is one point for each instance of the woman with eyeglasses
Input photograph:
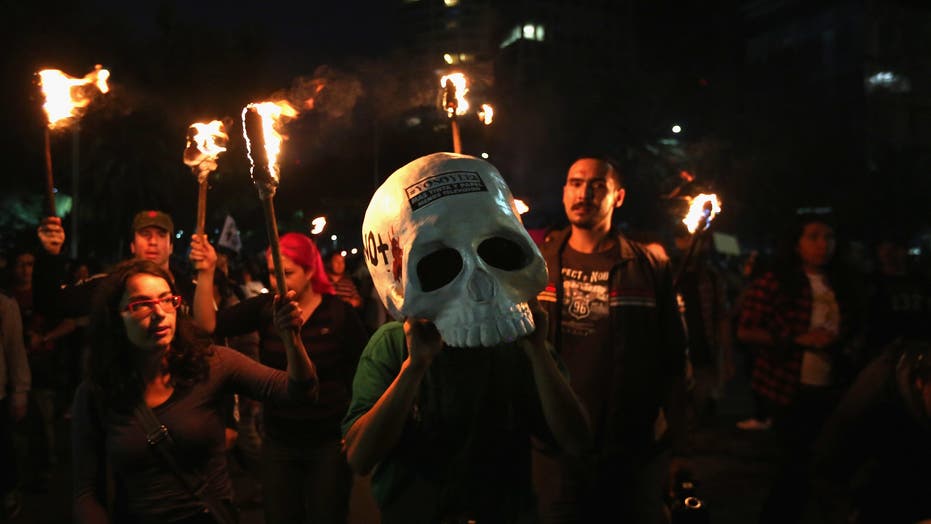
x,y
144,352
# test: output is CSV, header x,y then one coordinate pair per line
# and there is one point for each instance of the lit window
x,y
529,31
540,33
889,81
450,3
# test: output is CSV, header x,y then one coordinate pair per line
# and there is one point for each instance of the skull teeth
x,y
501,326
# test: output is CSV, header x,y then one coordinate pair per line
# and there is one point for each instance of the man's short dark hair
x,y
614,167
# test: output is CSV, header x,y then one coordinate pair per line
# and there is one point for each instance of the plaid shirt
x,y
777,369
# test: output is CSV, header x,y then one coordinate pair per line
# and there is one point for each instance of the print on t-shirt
x,y
585,300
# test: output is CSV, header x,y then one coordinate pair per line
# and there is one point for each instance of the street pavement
x,y
733,469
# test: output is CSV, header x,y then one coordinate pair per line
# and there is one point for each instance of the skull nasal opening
x,y
481,286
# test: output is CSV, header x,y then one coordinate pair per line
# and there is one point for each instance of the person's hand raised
x,y
287,314
203,257
536,341
51,235
423,342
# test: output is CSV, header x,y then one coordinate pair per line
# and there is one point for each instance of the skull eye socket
x,y
502,253
438,269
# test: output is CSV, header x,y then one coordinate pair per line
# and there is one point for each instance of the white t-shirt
x,y
825,314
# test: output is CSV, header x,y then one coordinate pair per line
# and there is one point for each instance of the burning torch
x,y
65,97
455,103
263,144
702,210
205,142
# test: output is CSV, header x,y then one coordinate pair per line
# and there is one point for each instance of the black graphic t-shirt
x,y
586,325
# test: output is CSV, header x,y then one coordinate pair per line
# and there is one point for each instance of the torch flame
x,y
487,114
210,139
319,223
205,142
461,105
65,95
273,116
702,211
521,206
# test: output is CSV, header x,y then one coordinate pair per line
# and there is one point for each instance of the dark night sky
x,y
175,62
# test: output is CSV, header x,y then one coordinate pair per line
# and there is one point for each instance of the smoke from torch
x,y
205,142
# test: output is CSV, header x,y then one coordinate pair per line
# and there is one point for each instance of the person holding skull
x,y
446,400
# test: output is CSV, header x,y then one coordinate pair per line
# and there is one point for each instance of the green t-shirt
x,y
465,447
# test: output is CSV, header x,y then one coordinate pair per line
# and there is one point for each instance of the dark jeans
x,y
797,427
310,483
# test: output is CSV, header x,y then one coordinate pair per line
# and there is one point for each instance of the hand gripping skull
x,y
443,241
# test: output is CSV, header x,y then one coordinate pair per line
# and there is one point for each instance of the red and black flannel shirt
x,y
777,369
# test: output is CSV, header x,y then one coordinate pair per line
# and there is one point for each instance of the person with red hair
x,y
305,472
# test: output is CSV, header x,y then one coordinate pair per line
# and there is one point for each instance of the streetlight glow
x,y
318,224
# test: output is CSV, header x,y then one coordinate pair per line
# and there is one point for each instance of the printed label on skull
x,y
445,184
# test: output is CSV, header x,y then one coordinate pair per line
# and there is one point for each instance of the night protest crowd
x,y
580,410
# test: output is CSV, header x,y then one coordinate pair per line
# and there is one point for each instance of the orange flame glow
x,y
522,207
66,95
487,114
210,138
702,211
204,144
273,114
459,81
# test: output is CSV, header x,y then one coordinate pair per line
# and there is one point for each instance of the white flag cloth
x,y
229,237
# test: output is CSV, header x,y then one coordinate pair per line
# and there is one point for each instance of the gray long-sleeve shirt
x,y
150,492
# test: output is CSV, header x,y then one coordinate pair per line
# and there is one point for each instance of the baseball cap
x,y
152,218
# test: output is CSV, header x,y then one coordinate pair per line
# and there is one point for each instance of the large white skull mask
x,y
444,241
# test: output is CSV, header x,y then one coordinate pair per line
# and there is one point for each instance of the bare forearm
x,y
376,432
564,413
300,367
204,309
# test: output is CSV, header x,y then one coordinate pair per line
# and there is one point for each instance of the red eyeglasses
x,y
144,308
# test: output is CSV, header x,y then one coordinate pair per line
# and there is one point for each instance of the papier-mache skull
x,y
443,241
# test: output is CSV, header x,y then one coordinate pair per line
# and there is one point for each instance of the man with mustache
x,y
615,323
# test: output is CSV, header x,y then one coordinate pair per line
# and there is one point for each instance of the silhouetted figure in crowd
x,y
15,382
899,298
702,287
342,281
871,461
